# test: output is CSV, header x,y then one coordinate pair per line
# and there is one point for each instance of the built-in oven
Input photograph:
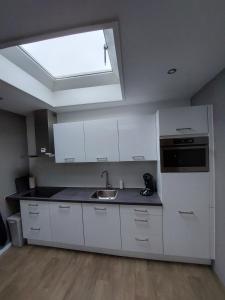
x,y
184,154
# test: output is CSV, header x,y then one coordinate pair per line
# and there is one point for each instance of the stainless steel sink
x,y
104,194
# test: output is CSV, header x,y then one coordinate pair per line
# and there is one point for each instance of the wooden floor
x,y
36,273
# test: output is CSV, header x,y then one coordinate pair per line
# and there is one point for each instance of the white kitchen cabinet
x,y
69,142
66,223
137,138
101,140
35,220
183,120
141,229
102,226
186,214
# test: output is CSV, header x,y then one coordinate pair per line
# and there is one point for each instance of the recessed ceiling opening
x,y
73,55
66,69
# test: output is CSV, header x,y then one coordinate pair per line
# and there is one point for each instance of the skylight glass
x,y
73,55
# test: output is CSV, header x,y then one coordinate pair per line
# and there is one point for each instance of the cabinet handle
x,y
185,212
33,205
185,128
101,209
72,159
33,213
142,240
138,157
141,210
35,229
141,220
62,206
102,158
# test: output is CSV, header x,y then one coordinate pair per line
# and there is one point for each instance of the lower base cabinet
x,y
186,215
141,229
102,226
67,223
35,220
127,228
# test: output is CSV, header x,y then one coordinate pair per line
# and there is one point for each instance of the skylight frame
x,y
112,35
69,76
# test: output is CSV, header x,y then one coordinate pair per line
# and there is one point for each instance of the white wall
x,y
214,93
15,76
94,94
13,155
116,112
49,173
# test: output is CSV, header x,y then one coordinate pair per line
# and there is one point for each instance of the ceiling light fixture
x,y
172,71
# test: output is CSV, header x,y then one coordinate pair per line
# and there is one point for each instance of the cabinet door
x,y
137,138
141,229
69,142
102,226
183,120
66,223
101,140
35,220
186,214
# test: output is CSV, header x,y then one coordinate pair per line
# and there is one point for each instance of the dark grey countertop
x,y
72,194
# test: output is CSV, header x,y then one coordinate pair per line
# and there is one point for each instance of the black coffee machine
x,y
149,185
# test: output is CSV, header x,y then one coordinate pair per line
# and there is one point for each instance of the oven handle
x,y
184,147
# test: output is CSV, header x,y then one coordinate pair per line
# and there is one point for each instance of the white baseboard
x,y
124,253
5,248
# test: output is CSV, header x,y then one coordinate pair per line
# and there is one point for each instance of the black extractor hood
x,y
43,122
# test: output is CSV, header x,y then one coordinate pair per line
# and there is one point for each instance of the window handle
x,y
105,49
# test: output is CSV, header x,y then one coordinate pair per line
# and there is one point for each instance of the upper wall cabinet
x,y
69,142
137,138
101,140
183,120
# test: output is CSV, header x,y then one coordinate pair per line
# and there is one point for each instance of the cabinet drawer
x,y
140,210
102,226
35,220
141,232
66,223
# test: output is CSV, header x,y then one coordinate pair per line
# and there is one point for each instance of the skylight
x,y
73,55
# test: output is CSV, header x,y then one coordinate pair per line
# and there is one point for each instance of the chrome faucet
x,y
107,184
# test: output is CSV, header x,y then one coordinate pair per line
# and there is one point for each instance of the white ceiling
x,y
155,35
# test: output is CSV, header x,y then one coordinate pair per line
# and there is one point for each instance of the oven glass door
x,y
185,159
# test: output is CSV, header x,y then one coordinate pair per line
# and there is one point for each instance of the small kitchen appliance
x,y
149,185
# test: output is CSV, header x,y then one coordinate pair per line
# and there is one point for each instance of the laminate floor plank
x,y
41,273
